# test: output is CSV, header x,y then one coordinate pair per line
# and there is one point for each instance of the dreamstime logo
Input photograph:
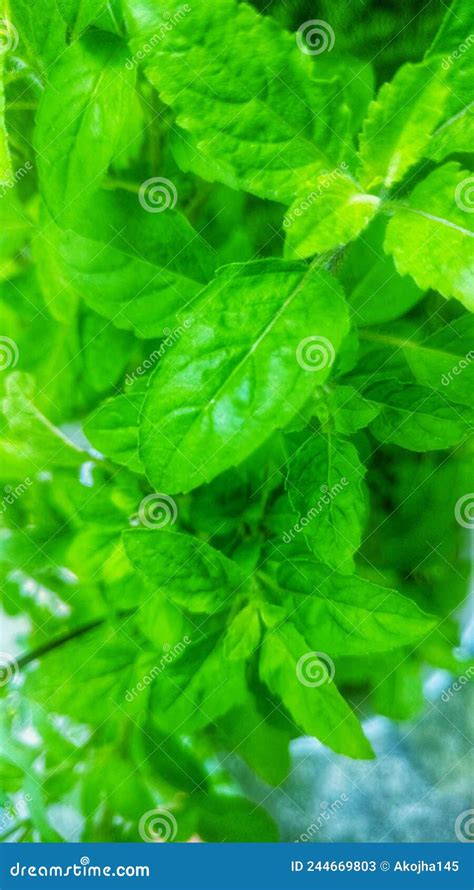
x,y
9,38
9,668
315,353
458,684
169,655
158,826
16,177
464,510
327,811
157,510
12,494
325,179
464,826
464,194
457,53
168,23
327,495
315,37
315,669
14,810
157,194
170,337
9,353
456,370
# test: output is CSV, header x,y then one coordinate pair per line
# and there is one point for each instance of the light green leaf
x,y
124,262
417,418
112,428
42,31
243,635
431,235
399,124
76,139
326,489
239,372
193,574
318,710
78,14
5,159
324,220
35,437
454,28
454,135
266,128
349,410
349,615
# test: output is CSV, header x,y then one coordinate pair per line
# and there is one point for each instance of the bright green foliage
x,y
209,415
236,391
432,237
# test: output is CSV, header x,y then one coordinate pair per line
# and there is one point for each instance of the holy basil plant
x,y
237,378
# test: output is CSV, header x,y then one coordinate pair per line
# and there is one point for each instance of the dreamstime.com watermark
x,y
157,194
158,826
315,37
325,179
328,810
14,811
315,669
170,337
314,353
170,20
328,494
457,53
456,370
9,37
83,869
170,653
9,353
156,510
464,510
464,194
12,494
15,178
458,684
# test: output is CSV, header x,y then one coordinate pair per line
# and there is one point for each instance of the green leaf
x,y
442,360
324,221
399,124
326,488
349,410
228,818
123,262
5,158
42,30
417,418
112,428
76,139
430,236
78,14
266,128
348,615
454,28
318,710
193,575
376,293
200,415
198,687
263,746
